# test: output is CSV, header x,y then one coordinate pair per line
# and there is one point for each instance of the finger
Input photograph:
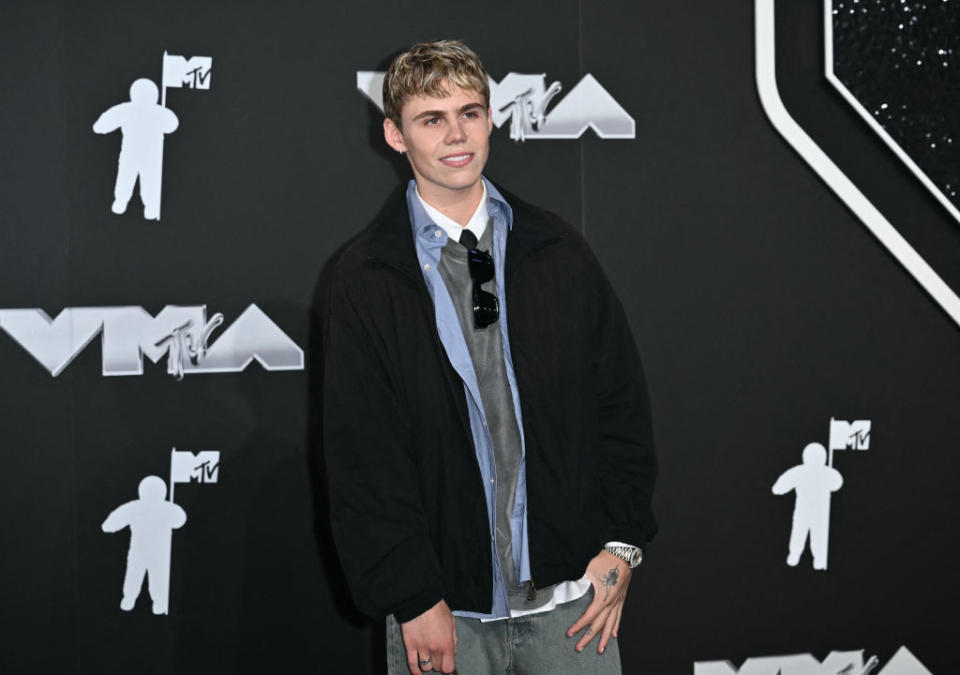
x,y
595,628
447,664
608,627
426,662
412,661
616,624
456,640
587,617
591,632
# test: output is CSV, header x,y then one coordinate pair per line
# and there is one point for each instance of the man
x,y
486,428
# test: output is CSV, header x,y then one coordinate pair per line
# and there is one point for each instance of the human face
x,y
447,140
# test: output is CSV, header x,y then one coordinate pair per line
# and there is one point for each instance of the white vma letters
x,y
523,101
813,482
143,123
129,333
836,663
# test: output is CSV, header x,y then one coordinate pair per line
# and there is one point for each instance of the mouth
x,y
461,159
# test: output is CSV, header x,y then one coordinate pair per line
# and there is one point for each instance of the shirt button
x,y
437,234
491,481
427,267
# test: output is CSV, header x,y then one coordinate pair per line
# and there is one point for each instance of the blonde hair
x,y
425,68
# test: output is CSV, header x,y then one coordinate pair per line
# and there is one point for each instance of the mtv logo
x,y
193,73
523,101
207,470
514,87
849,435
200,467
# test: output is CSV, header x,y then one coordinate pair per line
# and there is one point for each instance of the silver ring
x,y
424,662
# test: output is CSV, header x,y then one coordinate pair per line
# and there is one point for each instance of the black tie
x,y
468,239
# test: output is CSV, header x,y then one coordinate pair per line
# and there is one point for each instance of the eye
x,y
432,121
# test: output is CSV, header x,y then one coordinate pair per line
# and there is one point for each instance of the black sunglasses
x,y
486,309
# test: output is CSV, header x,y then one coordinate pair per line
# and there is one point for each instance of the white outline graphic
x,y
865,114
844,188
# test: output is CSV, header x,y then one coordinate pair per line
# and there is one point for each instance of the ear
x,y
393,136
489,120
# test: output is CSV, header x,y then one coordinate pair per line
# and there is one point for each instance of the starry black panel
x,y
901,60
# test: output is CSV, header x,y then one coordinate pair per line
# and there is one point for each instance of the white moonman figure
x,y
143,123
151,520
814,482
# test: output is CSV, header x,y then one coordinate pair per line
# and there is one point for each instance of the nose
x,y
455,133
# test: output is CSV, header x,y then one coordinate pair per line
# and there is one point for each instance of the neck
x,y
458,205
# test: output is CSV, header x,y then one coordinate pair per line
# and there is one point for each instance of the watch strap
x,y
632,555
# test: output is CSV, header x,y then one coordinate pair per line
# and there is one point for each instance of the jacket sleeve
x,y
628,464
376,515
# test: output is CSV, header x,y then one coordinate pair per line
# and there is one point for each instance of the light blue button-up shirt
x,y
429,246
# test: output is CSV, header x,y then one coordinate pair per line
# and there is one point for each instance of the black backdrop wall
x,y
762,306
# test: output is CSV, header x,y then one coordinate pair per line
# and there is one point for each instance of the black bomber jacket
x,y
407,504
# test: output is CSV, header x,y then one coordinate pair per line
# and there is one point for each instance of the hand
x,y
610,576
433,636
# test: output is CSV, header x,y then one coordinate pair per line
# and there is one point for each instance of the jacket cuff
x,y
414,607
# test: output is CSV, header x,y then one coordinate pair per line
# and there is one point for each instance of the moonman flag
x,y
187,467
193,73
849,435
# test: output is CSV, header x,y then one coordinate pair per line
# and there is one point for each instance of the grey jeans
x,y
536,644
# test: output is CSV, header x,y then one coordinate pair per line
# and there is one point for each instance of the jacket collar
x,y
392,237
391,240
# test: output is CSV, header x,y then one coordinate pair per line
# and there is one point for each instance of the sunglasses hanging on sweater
x,y
486,310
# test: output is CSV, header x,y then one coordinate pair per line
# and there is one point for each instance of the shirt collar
x,y
492,204
477,223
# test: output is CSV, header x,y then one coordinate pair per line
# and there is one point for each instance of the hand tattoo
x,y
609,580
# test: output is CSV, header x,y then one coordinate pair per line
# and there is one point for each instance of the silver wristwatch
x,y
628,554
